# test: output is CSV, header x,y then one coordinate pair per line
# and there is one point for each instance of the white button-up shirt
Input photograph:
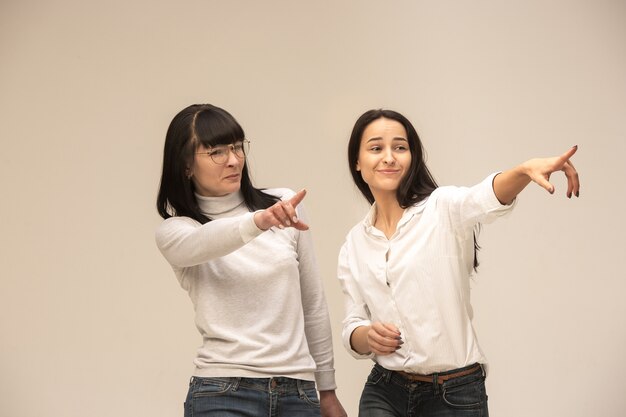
x,y
419,278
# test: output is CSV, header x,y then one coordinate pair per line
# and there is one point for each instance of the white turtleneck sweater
x,y
257,295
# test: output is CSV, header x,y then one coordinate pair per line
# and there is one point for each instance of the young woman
x,y
244,257
405,270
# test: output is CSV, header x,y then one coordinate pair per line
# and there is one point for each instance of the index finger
x,y
391,327
567,155
386,329
296,199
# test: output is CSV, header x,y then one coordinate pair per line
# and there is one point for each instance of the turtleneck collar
x,y
217,206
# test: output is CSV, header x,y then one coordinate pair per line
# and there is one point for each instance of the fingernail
x,y
288,222
569,196
295,219
280,226
577,193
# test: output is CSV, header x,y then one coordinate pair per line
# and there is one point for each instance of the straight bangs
x,y
215,126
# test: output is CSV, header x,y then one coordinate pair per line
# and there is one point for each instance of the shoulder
x,y
447,190
447,193
357,231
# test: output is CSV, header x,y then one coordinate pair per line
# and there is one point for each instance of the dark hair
x,y
199,125
417,184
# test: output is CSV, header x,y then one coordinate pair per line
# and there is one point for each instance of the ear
x,y
188,173
358,167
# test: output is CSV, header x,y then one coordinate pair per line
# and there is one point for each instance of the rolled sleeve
x,y
347,334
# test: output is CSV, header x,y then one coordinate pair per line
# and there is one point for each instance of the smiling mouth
x,y
232,177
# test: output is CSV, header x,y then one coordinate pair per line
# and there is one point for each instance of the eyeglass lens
x,y
219,154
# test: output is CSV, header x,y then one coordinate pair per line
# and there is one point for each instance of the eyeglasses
x,y
219,154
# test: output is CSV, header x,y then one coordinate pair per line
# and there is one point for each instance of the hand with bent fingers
x,y
540,169
383,338
282,214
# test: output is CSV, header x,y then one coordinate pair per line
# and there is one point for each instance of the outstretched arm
x,y
509,184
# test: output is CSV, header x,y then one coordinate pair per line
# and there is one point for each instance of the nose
x,y
388,158
232,158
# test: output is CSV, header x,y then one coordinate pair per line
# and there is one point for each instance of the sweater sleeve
x,y
316,318
184,242
357,313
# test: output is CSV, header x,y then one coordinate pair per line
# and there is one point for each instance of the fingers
x,y
542,180
283,214
541,169
384,338
296,199
573,183
570,152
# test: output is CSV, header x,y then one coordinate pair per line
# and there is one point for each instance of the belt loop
x,y
236,382
436,383
387,373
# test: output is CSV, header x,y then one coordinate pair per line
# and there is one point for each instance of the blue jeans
x,y
389,394
251,397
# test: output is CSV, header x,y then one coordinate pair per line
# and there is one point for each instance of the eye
x,y
238,147
375,148
217,151
402,148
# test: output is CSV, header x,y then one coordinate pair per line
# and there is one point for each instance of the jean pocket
x,y
470,395
310,396
207,387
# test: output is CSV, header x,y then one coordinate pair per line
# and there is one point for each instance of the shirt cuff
x,y
489,200
248,228
325,380
347,333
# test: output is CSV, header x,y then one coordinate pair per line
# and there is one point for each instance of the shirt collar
x,y
409,212
215,206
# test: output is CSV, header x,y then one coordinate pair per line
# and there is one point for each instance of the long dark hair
x,y
199,125
417,184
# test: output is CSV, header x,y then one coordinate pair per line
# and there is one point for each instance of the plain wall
x,y
92,320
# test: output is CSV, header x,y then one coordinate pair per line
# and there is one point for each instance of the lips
x,y
232,177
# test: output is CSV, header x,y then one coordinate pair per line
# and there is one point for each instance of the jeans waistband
x,y
280,385
437,378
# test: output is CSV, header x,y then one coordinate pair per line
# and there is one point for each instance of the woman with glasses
x,y
244,257
405,270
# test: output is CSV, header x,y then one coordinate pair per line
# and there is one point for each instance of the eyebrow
x,y
380,138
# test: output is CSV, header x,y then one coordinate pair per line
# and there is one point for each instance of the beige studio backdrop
x,y
92,320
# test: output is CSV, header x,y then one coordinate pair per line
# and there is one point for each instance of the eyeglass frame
x,y
245,150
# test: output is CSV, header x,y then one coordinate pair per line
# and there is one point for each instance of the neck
x,y
215,206
388,213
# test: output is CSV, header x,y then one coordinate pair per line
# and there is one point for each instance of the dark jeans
x,y
251,397
389,394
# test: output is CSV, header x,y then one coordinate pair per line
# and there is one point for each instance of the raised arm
x,y
508,184
185,243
